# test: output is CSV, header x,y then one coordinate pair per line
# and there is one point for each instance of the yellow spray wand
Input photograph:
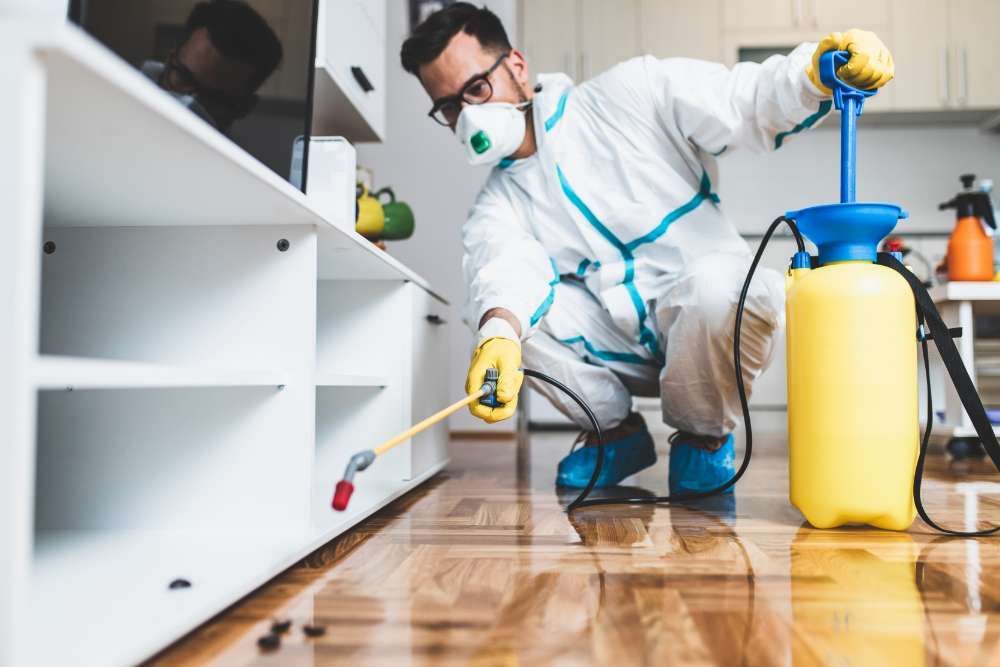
x,y
363,459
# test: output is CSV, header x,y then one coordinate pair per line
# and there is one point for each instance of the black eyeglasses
x,y
478,90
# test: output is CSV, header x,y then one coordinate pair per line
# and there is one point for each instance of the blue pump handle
x,y
849,101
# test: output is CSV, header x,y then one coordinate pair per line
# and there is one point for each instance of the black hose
x,y
582,500
593,422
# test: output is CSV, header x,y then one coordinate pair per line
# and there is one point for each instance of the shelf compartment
x,y
59,373
211,460
190,296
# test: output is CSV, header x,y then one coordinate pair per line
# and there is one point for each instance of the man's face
x,y
463,60
211,69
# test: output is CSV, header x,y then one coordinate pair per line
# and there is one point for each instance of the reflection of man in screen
x,y
228,52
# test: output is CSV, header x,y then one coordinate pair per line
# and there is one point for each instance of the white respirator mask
x,y
491,131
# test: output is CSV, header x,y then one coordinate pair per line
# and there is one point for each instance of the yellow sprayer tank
x,y
852,395
852,360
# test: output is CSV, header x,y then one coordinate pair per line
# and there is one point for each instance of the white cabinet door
x,y
429,379
842,15
762,14
672,28
974,29
548,33
920,48
609,34
350,81
375,10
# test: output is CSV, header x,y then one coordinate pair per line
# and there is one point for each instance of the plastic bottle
x,y
970,249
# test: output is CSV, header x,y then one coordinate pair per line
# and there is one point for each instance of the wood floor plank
x,y
484,567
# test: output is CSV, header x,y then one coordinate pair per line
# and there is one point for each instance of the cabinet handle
x,y
963,95
363,81
797,12
945,85
436,320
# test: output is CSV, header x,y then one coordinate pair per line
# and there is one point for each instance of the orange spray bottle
x,y
970,250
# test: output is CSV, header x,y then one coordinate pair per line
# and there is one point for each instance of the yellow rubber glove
x,y
504,355
870,66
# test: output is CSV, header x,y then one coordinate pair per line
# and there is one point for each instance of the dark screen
x,y
245,67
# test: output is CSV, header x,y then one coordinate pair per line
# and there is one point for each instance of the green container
x,y
399,222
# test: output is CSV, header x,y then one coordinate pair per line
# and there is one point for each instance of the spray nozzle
x,y
345,487
971,203
489,388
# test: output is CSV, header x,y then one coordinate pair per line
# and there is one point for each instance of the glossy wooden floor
x,y
483,567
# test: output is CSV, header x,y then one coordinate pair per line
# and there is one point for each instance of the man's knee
x,y
716,283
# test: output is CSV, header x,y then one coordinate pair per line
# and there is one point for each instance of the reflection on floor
x,y
483,567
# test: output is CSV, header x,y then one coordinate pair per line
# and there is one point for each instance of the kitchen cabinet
x,y
921,51
609,34
946,54
946,51
696,36
841,15
549,35
350,82
579,37
972,33
763,14
790,15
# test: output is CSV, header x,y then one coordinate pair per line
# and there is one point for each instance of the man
x,y
228,52
598,251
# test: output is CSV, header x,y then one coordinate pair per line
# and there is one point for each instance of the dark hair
x,y
431,37
240,33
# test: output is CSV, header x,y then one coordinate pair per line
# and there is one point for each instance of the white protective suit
x,y
611,247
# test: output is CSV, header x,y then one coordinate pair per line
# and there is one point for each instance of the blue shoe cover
x,y
693,469
621,458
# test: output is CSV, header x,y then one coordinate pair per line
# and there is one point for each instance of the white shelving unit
x,y
189,357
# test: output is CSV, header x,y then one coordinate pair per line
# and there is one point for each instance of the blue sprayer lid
x,y
848,230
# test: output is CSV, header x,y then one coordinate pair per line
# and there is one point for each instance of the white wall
x,y
916,167
425,166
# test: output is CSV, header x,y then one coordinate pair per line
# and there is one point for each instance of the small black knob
x,y
49,247
283,245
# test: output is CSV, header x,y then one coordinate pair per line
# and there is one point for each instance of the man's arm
x,y
511,286
751,105
508,272
503,314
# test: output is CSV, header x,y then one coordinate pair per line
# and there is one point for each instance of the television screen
x,y
245,67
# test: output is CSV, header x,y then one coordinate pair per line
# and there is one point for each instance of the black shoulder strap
x,y
964,386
